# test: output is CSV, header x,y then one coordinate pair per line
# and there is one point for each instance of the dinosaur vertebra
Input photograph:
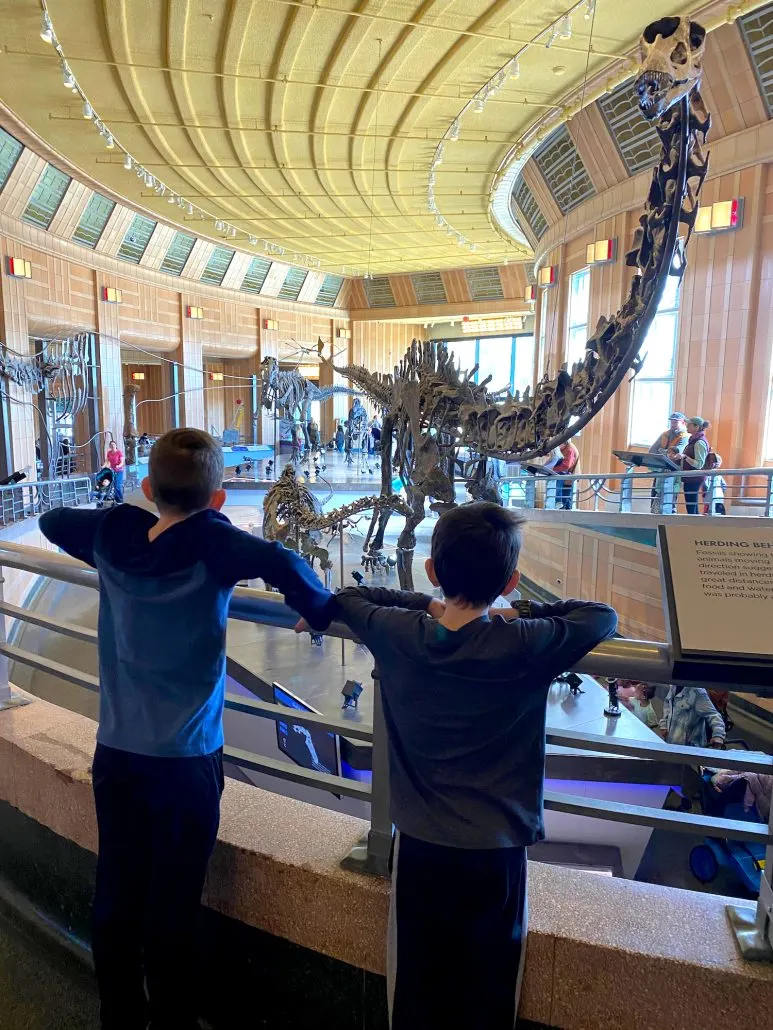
x,y
432,410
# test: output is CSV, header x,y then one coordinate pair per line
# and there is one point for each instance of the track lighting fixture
x,y
565,32
109,142
455,130
68,79
46,29
88,111
515,68
127,162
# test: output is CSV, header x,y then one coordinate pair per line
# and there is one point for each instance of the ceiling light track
x,y
558,32
48,35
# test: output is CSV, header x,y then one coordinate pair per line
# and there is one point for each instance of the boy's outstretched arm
x,y
239,555
560,634
73,531
366,610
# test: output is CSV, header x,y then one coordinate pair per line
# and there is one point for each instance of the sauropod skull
x,y
672,52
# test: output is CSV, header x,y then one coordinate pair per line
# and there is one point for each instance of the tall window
x,y
579,303
543,333
509,360
652,397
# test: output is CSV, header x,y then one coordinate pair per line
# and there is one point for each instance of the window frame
x,y
513,337
670,380
579,324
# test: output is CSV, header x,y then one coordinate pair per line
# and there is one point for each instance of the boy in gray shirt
x,y
464,698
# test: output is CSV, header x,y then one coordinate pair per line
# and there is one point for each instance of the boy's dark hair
x,y
475,550
186,468
648,691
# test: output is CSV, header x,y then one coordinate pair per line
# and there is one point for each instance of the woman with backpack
x,y
693,459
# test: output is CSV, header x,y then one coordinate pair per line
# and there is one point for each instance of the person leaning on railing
x,y
465,698
565,463
165,585
674,439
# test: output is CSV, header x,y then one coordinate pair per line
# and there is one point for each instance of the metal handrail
x,y
263,607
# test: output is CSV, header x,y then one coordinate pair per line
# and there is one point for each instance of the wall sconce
x,y
530,294
724,216
192,312
601,252
344,334
111,295
139,376
270,323
216,377
19,268
547,275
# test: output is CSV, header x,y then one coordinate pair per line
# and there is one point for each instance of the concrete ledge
x,y
602,953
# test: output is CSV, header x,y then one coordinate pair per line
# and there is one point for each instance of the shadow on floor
x,y
42,987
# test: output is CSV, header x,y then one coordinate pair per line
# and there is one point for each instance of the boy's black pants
x,y
158,821
457,936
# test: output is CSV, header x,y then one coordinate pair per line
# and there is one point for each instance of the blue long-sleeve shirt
x,y
465,711
163,610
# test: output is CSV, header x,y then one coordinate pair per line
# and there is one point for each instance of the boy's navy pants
x,y
457,936
158,821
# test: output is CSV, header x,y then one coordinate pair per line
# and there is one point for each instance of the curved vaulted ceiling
x,y
313,123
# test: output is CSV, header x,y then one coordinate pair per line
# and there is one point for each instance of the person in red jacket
x,y
565,465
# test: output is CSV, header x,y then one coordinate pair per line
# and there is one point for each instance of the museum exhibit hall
x,y
409,369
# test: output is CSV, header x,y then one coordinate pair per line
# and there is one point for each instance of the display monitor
x,y
307,746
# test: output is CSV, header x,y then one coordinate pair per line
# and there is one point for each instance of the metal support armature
x,y
372,854
612,710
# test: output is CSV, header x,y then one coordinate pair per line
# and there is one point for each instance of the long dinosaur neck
x,y
377,387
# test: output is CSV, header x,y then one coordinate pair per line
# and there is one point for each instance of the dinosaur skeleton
x,y
293,393
431,409
59,368
293,515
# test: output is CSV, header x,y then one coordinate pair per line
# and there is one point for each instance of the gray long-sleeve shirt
x,y
465,711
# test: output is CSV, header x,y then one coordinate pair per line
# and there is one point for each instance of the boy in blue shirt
x,y
165,584
464,698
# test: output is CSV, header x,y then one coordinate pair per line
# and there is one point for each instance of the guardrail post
x,y
769,497
754,929
668,490
372,854
626,493
7,698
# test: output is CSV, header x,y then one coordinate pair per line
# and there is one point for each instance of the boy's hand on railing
x,y
437,609
302,626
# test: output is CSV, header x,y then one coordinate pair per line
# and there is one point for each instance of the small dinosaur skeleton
x,y
293,515
432,410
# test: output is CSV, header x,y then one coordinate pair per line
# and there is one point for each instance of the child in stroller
x,y
104,487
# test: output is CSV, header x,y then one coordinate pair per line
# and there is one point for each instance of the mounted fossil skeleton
x,y
59,368
293,515
431,410
293,393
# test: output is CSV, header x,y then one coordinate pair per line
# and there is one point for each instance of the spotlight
x,y
46,29
455,131
109,142
351,692
478,105
590,10
88,111
68,79
219,226
515,68
127,162
189,208
172,199
148,179
565,32
253,240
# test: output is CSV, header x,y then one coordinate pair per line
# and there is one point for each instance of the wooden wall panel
x,y
729,84
572,562
154,412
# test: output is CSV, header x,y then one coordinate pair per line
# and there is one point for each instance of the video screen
x,y
305,745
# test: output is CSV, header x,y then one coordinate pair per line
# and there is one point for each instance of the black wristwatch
x,y
523,607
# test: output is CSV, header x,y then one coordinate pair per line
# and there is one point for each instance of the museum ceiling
x,y
364,136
